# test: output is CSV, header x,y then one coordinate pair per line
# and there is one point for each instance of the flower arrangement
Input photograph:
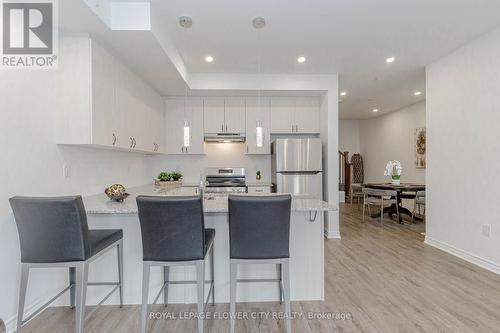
x,y
394,169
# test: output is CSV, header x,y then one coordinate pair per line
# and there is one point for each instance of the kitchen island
x,y
306,251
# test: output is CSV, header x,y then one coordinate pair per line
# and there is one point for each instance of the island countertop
x,y
100,203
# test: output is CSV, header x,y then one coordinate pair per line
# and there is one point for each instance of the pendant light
x,y
186,23
258,23
187,125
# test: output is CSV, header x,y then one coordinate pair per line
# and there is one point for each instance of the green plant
x,y
164,176
176,175
258,173
169,176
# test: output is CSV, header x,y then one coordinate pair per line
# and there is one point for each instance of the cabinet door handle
x,y
131,142
297,128
114,139
247,149
222,128
187,150
182,148
226,128
135,142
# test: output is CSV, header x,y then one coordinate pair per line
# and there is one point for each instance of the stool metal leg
x,y
120,270
213,275
200,277
25,269
232,295
82,271
146,267
280,277
286,282
166,276
72,281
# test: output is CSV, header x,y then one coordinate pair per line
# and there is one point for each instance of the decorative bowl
x,y
116,192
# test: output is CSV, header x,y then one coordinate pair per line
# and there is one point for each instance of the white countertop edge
x,y
100,204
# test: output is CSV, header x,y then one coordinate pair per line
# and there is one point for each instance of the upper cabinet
x,y
103,103
234,115
297,115
258,121
224,115
180,113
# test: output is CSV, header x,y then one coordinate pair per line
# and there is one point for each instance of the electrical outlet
x,y
486,230
66,171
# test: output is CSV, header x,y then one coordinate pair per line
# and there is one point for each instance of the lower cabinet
x,y
184,126
258,189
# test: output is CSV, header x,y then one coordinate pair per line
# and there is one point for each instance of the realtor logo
x,y
29,34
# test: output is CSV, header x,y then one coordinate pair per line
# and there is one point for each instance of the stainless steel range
x,y
223,181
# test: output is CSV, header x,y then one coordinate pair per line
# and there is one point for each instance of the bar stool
x,y
53,232
173,234
259,233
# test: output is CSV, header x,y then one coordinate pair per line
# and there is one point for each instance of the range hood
x,y
225,137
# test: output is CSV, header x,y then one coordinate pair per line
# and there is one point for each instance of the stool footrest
x,y
258,280
40,309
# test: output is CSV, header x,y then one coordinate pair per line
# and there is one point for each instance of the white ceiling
x,y
349,37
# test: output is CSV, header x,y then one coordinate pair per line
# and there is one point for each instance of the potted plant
x,y
394,169
169,179
258,175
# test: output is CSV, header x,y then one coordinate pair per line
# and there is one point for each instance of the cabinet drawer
x,y
259,189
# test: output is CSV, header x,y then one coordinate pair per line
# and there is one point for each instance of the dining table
x,y
403,191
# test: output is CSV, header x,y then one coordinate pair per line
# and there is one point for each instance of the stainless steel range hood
x,y
225,137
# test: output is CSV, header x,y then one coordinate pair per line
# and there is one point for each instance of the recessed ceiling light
x,y
375,110
343,93
301,60
209,58
390,60
417,93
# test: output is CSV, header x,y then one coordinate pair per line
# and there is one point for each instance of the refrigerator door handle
x,y
299,172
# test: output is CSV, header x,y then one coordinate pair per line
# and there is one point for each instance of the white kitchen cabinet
x,y
297,115
213,112
306,116
234,115
104,104
175,116
224,115
258,112
258,189
282,109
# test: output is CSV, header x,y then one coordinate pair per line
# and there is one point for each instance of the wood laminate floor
x,y
378,279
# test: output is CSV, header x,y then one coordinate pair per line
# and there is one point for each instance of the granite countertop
x,y
100,203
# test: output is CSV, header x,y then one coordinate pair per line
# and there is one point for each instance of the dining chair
x,y
419,202
356,191
381,198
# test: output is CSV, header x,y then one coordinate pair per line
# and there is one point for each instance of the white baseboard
x,y
332,234
467,256
341,196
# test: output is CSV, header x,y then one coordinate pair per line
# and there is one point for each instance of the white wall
x,y
33,165
216,155
391,137
350,136
463,129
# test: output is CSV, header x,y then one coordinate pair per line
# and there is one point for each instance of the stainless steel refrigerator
x,y
296,166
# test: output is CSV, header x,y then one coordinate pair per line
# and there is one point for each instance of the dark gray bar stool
x,y
173,234
53,232
259,233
